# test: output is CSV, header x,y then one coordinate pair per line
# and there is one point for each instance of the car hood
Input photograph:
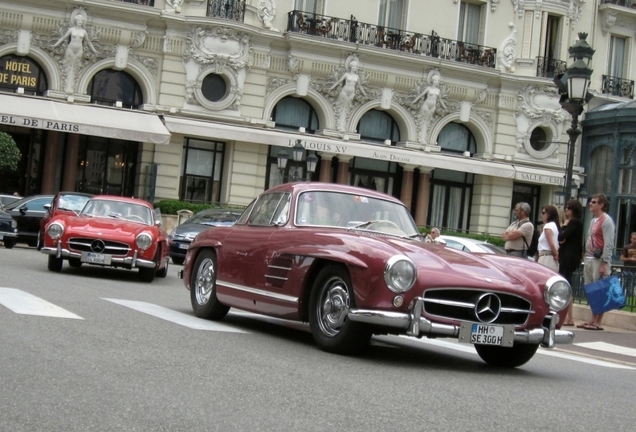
x,y
86,226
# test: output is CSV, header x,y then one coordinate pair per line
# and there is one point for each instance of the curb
x,y
617,319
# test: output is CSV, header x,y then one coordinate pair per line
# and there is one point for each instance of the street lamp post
x,y
298,151
573,86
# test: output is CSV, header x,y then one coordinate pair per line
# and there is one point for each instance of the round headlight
x,y
55,230
14,224
144,240
400,274
557,293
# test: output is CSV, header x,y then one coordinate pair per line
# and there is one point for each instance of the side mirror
x,y
24,209
47,207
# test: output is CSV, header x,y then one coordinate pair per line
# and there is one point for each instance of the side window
x,y
38,204
242,220
265,208
281,214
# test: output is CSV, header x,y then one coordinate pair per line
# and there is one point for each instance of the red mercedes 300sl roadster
x,y
352,263
110,231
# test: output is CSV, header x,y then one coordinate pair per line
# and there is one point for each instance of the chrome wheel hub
x,y
333,307
205,281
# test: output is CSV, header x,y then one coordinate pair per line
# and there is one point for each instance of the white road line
x,y
604,346
469,349
174,316
24,303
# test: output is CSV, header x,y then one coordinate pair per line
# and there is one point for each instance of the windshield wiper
x,y
362,225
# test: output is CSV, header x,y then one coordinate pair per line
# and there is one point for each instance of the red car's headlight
x,y
55,230
143,241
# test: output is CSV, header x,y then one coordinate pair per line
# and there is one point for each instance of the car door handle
x,y
242,253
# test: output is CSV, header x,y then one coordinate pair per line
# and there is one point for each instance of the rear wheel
x,y
55,264
203,288
9,243
503,357
329,305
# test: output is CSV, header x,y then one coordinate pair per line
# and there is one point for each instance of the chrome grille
x,y
462,304
88,245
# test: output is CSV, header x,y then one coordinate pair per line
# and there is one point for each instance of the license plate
x,y
95,258
486,334
183,245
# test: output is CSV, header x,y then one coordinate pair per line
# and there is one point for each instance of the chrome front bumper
x,y
416,325
128,262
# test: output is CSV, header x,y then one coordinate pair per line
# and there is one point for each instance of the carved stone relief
x,y
538,106
266,13
520,7
427,103
221,51
346,87
507,50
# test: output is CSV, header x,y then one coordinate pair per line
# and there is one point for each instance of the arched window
x,y
376,126
17,71
291,113
110,86
451,191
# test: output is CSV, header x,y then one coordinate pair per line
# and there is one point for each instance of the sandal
x,y
582,325
568,324
592,327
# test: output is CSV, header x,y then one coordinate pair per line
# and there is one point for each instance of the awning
x,y
415,158
39,113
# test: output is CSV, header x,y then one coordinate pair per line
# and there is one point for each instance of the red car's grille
x,y
98,246
462,304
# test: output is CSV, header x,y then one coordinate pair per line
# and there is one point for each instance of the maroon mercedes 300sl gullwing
x,y
352,263
110,231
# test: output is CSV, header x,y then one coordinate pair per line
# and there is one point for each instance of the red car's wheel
x,y
55,264
503,357
203,288
331,300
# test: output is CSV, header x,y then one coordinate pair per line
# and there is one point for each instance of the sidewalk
x,y
616,319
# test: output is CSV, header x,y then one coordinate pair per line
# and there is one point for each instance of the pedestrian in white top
x,y
548,248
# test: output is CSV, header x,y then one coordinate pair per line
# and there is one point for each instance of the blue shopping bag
x,y
605,295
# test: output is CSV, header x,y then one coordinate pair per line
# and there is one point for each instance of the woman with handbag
x,y
571,247
548,249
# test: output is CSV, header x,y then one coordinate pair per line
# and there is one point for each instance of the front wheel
x,y
203,288
55,264
9,243
507,357
178,260
329,305
164,271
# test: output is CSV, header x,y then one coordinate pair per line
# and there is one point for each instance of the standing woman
x,y
571,247
548,249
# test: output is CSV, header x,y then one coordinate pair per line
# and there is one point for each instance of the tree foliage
x,y
9,153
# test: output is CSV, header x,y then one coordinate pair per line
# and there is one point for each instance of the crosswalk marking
x,y
607,347
27,304
174,316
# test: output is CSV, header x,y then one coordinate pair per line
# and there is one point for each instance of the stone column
x,y
325,167
50,163
406,194
342,177
70,162
423,195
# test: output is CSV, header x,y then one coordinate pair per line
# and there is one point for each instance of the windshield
x,y
118,210
72,202
215,217
353,211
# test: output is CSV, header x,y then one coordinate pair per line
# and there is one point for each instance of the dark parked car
x,y
6,199
183,235
63,203
8,229
28,212
352,263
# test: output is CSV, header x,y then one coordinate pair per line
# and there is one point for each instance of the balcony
x,y
229,9
626,3
389,38
549,68
140,2
618,86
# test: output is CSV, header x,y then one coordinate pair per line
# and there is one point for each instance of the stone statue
x,y
175,4
266,12
76,36
430,96
350,81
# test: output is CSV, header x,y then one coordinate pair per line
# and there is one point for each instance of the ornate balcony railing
x,y
618,86
626,3
549,68
140,2
229,9
389,38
